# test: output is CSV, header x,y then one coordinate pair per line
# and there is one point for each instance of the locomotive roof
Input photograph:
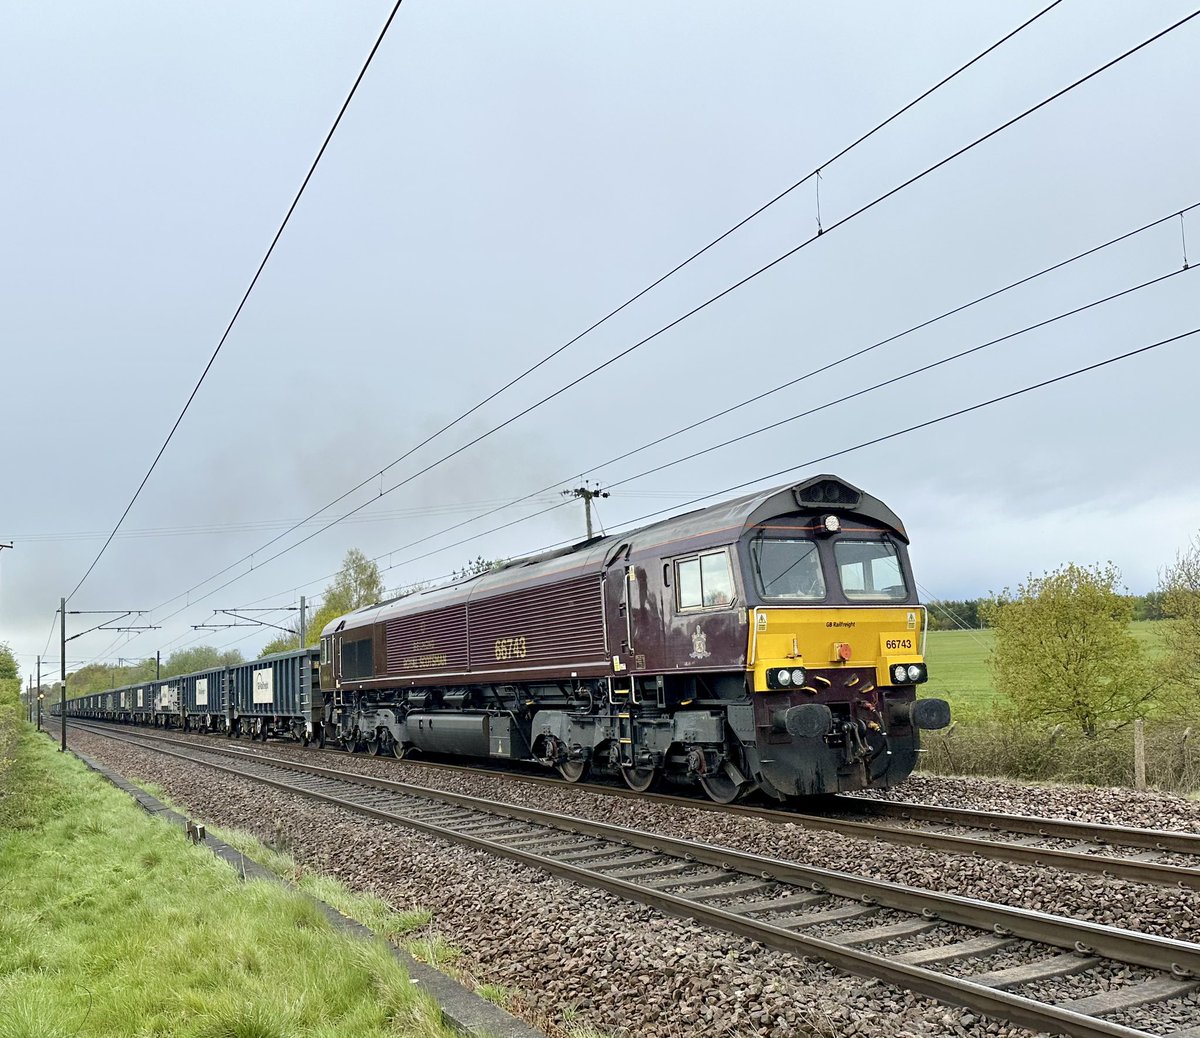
x,y
717,524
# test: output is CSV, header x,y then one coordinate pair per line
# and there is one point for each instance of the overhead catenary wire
x,y
624,482
874,441
792,382
970,350
896,434
845,358
911,373
692,312
245,296
845,150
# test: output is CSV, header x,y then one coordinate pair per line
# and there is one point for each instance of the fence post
x,y
1184,776
1139,754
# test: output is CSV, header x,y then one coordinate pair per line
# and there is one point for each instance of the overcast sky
x,y
507,174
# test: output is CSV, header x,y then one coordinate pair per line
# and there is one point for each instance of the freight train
x,y
774,642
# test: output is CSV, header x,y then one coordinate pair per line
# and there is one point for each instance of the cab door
x,y
633,613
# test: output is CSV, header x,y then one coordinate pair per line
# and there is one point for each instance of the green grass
x,y
958,670
111,924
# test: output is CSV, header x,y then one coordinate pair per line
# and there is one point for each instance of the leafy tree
x,y
953,614
97,677
199,657
1064,652
287,642
1150,606
476,566
8,662
357,584
1180,586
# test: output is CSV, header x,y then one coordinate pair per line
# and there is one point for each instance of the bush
x,y
1002,746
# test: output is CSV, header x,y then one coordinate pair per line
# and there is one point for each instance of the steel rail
x,y
1167,840
1108,866
1181,958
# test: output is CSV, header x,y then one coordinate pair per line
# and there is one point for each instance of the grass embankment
x,y
111,924
372,911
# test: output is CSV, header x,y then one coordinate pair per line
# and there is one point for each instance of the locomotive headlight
x,y
830,524
917,673
798,676
784,677
900,673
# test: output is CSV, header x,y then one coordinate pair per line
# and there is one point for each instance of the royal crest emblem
x,y
699,644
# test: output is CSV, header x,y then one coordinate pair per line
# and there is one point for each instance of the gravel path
x,y
1165,911
575,956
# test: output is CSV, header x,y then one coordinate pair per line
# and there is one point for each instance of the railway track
x,y
990,958
1041,842
1083,834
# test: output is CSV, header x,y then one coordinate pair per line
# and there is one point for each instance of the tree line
x,y
957,614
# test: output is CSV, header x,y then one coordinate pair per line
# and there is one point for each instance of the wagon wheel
x,y
574,770
640,780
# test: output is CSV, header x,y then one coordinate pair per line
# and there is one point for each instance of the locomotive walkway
x,y
775,902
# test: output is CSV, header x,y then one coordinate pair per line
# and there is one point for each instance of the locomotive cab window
x,y
704,582
788,568
870,571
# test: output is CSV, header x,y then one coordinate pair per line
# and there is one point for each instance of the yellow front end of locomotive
x,y
805,640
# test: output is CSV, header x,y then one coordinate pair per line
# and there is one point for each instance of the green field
x,y
958,670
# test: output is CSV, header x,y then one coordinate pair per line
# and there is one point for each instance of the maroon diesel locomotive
x,y
772,642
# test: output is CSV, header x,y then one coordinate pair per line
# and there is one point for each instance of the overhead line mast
x,y
587,494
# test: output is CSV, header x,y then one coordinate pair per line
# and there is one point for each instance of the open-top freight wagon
x,y
274,696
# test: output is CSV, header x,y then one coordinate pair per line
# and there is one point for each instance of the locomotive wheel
x,y
720,788
574,770
374,746
640,780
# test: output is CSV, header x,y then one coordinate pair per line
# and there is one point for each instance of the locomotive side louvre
x,y
418,645
530,630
